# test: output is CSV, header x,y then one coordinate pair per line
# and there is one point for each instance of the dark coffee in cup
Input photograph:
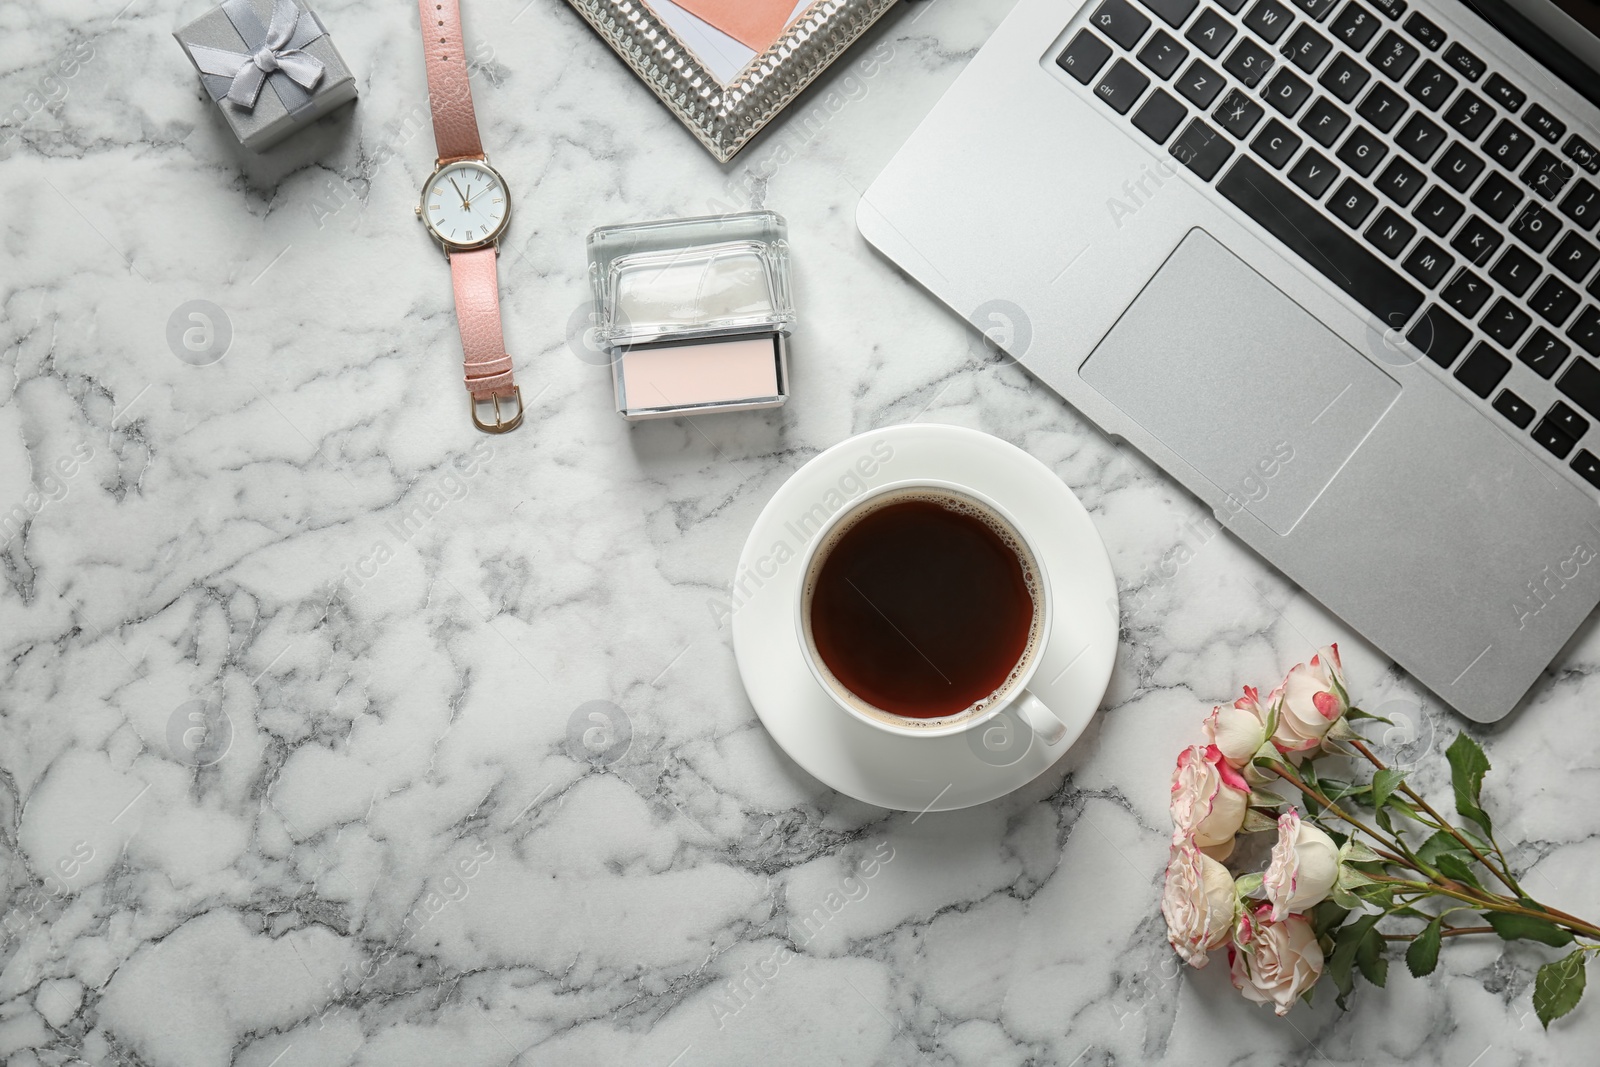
x,y
923,604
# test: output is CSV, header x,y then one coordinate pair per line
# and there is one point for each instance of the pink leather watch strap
x,y
455,124
483,345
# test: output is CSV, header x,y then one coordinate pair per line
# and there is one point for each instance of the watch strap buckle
x,y
501,424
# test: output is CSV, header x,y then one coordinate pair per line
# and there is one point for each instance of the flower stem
x,y
1448,931
1494,902
1333,809
1443,824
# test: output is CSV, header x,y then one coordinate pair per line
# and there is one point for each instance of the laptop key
x,y
1306,48
1317,9
1276,144
1505,323
1464,62
1162,55
1574,257
1201,149
1544,124
1159,116
1120,22
1287,93
1428,263
1355,26
1238,114
1392,8
1469,116
1546,175
1569,421
1173,12
1317,240
1544,352
1582,204
1552,438
1517,411
1420,138
1352,204
1389,233
1515,270
1581,383
1393,56
1585,330
1553,301
1587,464
1362,151
1344,77
1313,172
1400,182
1431,85
1230,6
1200,85
1535,227
1507,145
1467,293
1430,36
1439,211
1497,197
1482,370
1084,57
1248,62
1582,153
1210,33
1437,334
1382,107
1324,122
1121,86
1458,167
1268,19
1477,240
1504,93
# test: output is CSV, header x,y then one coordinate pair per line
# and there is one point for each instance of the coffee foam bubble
x,y
961,505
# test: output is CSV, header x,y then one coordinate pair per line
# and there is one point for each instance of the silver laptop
x,y
1331,264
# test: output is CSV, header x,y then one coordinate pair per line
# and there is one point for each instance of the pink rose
x,y
1313,699
1274,962
1238,729
1209,797
1198,903
1305,864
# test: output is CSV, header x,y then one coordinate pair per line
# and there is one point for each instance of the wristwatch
x,y
466,208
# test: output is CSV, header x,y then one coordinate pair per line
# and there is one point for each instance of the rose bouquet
x,y
1361,867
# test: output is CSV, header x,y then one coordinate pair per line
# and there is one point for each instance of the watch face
x,y
465,204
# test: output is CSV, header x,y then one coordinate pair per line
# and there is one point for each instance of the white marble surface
x,y
398,860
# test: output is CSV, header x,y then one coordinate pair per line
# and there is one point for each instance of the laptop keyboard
x,y
1394,161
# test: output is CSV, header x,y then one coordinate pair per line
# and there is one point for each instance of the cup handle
x,y
1040,719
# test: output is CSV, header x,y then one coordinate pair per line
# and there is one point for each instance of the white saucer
x,y
923,773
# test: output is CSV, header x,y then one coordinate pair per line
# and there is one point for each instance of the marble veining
x,y
296,670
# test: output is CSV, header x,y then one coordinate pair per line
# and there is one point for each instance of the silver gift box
x,y
281,106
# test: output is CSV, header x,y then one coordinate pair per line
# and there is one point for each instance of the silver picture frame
x,y
725,116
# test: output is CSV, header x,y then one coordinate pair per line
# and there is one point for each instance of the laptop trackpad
x,y
1241,382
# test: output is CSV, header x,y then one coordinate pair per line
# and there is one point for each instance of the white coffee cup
x,y
1012,693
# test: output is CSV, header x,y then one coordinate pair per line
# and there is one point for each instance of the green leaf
x,y
1356,851
1357,713
1558,987
1246,885
1343,897
1352,877
1405,808
1454,865
1527,928
1440,844
1379,894
1255,822
1384,783
1326,916
1468,765
1423,955
1344,953
1370,957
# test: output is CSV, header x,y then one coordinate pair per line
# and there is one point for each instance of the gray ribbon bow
x,y
273,49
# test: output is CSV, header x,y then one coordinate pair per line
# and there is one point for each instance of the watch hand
x,y
459,193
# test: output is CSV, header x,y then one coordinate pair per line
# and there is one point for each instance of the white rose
x,y
1209,797
1305,864
1238,729
1197,903
1274,962
1312,699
